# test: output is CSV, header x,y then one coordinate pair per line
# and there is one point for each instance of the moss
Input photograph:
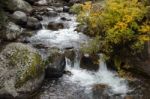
x,y
28,64
35,69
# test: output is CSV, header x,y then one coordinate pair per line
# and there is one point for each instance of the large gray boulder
x,y
20,18
18,5
21,70
11,32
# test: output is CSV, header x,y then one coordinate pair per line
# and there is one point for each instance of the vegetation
x,y
120,26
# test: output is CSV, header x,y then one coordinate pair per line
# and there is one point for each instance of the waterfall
x,y
103,76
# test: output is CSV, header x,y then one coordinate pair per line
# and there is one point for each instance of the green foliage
x,y
77,8
122,26
92,47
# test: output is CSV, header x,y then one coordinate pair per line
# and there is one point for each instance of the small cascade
x,y
116,85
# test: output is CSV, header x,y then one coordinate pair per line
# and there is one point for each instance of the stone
x,y
90,62
55,64
51,13
41,3
31,1
19,5
20,18
33,23
55,26
66,9
21,70
99,90
65,19
12,32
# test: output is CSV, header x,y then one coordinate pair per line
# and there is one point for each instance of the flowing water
x,y
80,83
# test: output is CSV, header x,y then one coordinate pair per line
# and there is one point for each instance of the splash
x,y
103,76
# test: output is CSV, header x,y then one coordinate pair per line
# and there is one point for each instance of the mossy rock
x,y
21,67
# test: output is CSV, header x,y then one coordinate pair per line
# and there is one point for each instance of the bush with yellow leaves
x,y
121,25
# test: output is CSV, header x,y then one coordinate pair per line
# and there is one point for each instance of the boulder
x,y
55,64
21,71
66,9
55,26
20,18
100,90
41,3
90,62
11,32
31,1
33,23
51,13
22,5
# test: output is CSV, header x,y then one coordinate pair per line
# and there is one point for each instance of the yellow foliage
x,y
145,28
144,38
120,25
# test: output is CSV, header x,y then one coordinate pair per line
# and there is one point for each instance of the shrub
x,y
121,25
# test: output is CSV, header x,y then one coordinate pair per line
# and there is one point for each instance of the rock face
x,y
11,32
55,64
18,5
144,64
21,70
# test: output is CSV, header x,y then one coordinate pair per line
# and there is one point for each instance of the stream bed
x,y
80,83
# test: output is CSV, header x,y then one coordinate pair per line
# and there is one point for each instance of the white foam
x,y
103,76
62,38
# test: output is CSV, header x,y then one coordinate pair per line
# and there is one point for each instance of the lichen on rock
x,y
20,64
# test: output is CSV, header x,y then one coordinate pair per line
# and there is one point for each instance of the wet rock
x,y
70,53
66,9
11,32
100,91
65,19
71,2
55,26
21,70
59,9
20,18
33,23
39,17
41,3
90,62
51,13
32,1
22,5
55,64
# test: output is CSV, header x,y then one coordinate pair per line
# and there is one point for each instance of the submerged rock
x,y
55,26
21,70
100,91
